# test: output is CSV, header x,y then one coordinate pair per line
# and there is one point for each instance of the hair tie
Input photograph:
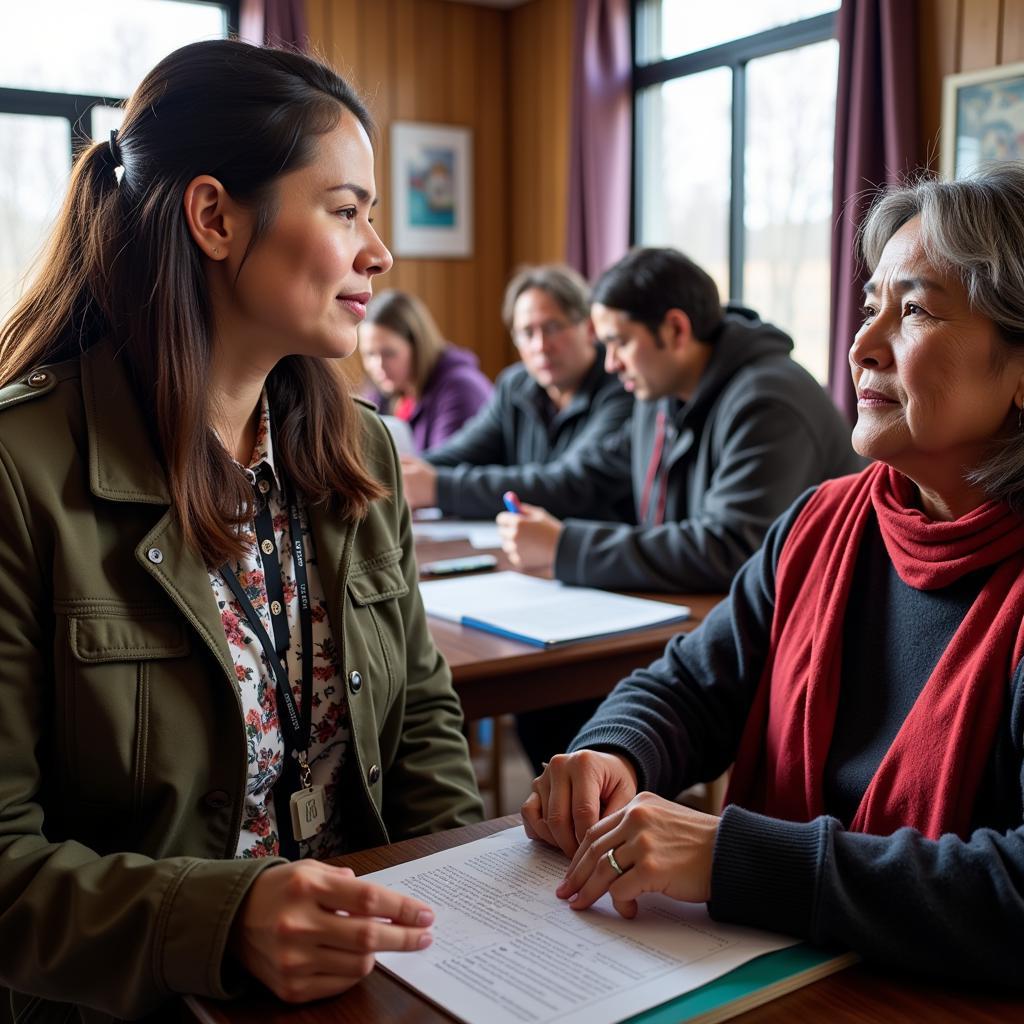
x,y
115,150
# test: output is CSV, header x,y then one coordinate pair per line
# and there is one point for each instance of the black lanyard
x,y
296,722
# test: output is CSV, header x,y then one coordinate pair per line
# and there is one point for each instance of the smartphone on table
x,y
455,566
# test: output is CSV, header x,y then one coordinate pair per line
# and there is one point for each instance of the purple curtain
x,y
275,23
876,144
601,135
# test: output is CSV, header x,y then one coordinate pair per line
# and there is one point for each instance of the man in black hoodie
x,y
727,431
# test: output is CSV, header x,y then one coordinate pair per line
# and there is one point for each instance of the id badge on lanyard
x,y
306,803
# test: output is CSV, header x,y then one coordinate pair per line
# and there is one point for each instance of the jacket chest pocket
x,y
112,662
375,648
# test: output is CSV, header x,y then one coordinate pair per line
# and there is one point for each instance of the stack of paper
x,y
542,612
507,951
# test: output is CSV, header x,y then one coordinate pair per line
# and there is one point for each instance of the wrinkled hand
x,y
660,845
420,480
573,793
530,538
308,930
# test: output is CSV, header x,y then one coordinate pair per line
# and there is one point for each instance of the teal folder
x,y
755,982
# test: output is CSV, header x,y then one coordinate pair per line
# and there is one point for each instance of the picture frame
x,y
982,119
432,190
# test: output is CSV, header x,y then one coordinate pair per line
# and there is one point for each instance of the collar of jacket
x,y
122,463
744,339
534,397
123,466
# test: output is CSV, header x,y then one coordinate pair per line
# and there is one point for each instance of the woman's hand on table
x,y
659,846
308,930
573,793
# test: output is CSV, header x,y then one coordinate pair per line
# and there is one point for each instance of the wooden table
x,y
858,995
496,676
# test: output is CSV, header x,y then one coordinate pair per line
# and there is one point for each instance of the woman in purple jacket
x,y
417,375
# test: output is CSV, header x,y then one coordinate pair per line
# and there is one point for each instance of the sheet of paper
x,y
401,434
481,533
542,610
507,951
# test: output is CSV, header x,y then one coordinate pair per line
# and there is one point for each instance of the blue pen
x,y
511,501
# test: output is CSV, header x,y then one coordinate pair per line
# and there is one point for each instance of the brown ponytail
x,y
62,305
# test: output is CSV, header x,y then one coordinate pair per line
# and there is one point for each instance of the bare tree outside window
x,y
735,126
35,159
791,102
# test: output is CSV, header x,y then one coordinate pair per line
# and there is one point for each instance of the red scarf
x,y
929,777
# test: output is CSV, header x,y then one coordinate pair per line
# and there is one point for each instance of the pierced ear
x,y
211,216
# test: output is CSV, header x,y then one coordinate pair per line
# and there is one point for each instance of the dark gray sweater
x,y
519,433
948,907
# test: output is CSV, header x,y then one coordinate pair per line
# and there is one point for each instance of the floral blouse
x,y
329,737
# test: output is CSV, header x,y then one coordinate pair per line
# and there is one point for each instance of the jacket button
x,y
155,555
217,799
373,774
38,379
355,681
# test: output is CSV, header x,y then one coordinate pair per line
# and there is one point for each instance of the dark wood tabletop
x,y
495,676
858,995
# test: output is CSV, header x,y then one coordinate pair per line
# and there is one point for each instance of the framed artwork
x,y
432,191
982,119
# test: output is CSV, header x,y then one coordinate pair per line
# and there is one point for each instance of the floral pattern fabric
x,y
329,739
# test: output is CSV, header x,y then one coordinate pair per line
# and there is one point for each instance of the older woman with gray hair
x,y
865,675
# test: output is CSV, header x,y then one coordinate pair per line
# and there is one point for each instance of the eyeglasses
x,y
522,336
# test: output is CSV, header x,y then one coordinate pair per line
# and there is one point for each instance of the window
x,y
735,115
65,68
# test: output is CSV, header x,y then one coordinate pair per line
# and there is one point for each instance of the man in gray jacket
x,y
727,431
558,401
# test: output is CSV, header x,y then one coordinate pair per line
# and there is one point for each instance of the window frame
x,y
734,55
76,108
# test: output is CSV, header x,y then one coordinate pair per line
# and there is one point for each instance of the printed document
x,y
401,434
507,951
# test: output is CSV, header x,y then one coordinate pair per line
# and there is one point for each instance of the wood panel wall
x,y
540,102
431,60
962,35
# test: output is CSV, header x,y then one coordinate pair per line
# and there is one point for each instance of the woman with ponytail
x,y
214,662
865,677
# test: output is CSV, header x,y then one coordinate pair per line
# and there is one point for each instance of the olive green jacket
x,y
122,744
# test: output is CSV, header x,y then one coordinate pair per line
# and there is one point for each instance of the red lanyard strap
x,y
660,430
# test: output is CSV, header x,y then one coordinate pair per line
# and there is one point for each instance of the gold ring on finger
x,y
610,857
